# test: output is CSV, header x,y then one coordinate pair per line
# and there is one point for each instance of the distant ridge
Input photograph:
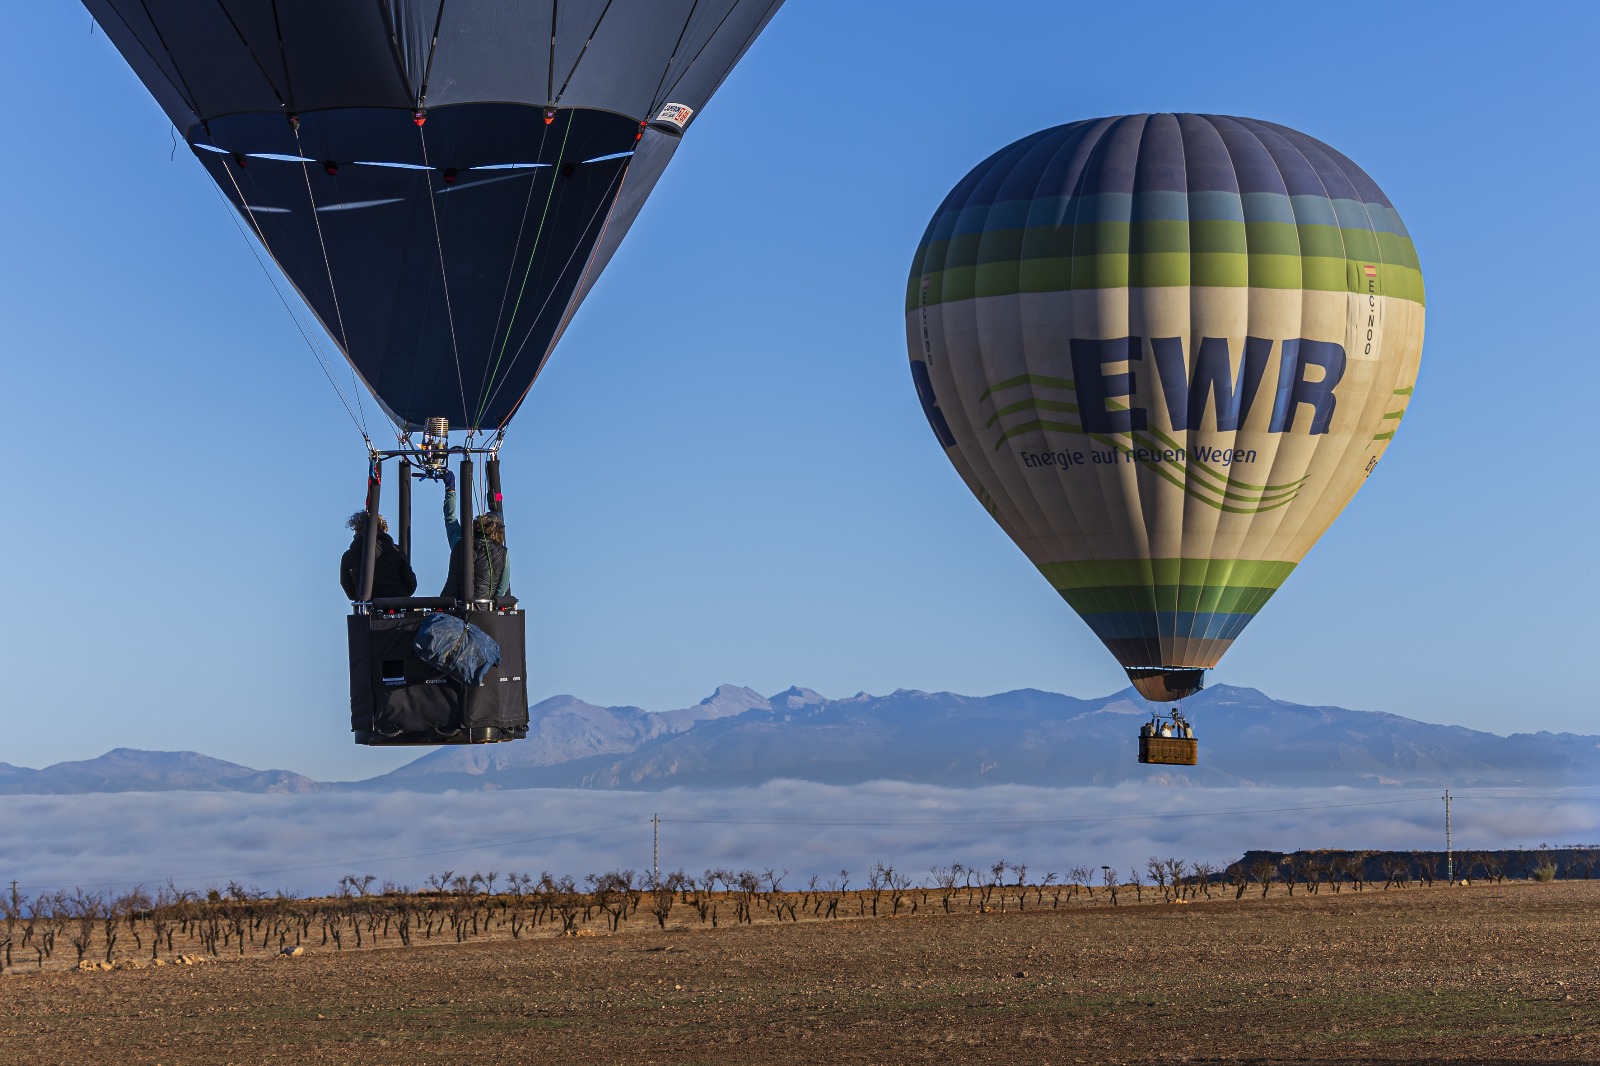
x,y
132,770
1021,737
737,737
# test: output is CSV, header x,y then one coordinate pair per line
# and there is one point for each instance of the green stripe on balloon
x,y
1215,599
1161,270
1122,238
1110,573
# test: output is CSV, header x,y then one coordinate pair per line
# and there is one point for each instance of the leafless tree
x,y
85,909
1176,869
11,909
1355,867
564,900
944,882
1316,871
606,891
997,873
664,895
1082,878
1264,871
1290,867
1203,873
1396,869
357,884
704,889
135,906
747,887
1136,879
875,886
836,893
1020,872
896,884
50,913
1157,871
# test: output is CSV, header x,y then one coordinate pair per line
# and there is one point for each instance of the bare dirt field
x,y
1490,973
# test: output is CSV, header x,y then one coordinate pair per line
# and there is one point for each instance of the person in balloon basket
x,y
491,571
391,575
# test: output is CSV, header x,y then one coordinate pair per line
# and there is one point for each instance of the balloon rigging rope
x,y
316,350
555,172
619,181
551,295
444,279
327,265
516,250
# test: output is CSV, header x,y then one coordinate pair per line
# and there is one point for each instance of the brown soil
x,y
1489,973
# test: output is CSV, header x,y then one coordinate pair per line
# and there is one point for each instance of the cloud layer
x,y
305,843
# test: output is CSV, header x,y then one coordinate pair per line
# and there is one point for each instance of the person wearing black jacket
x,y
392,576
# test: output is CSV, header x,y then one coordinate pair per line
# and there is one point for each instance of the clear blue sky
x,y
724,474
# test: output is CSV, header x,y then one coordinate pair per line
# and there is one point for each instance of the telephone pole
x,y
655,850
1449,857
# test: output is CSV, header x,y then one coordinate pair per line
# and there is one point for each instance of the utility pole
x,y
655,850
1449,857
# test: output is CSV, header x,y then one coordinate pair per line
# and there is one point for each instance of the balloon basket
x,y
1169,751
397,700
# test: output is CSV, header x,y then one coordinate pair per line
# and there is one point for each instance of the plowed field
x,y
1444,974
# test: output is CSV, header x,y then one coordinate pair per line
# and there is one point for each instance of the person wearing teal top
x,y
491,570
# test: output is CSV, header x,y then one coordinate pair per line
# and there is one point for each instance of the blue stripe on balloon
x,y
1195,167
978,218
1169,625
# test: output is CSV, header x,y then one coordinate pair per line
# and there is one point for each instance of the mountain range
x,y
737,737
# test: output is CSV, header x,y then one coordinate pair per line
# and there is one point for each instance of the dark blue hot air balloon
x,y
441,181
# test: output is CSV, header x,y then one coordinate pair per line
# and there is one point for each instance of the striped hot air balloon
x,y
1164,351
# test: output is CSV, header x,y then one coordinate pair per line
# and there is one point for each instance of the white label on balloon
x,y
675,115
1365,341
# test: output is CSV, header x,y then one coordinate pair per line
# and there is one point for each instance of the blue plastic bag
x,y
459,648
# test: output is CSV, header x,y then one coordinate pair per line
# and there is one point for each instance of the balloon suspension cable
x,y
546,305
533,252
444,278
327,262
516,248
359,421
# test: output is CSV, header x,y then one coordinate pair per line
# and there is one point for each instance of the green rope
x,y
555,172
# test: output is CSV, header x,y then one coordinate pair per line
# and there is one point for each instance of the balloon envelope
x,y
441,182
1164,351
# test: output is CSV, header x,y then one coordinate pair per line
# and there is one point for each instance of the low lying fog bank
x,y
305,843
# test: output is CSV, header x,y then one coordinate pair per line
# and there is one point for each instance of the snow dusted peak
x,y
794,697
733,699
1126,702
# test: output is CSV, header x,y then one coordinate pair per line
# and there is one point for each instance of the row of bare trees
x,y
461,906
